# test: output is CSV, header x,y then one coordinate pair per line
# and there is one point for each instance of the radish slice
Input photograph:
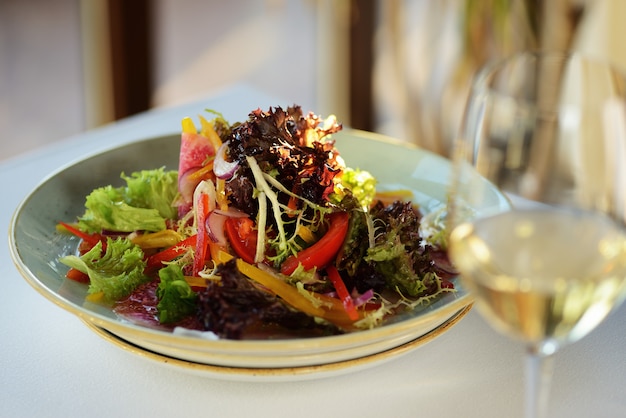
x,y
224,169
194,150
185,186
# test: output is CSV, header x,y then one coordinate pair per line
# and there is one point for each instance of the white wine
x,y
542,275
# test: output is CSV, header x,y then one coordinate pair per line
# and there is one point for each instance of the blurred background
x,y
399,67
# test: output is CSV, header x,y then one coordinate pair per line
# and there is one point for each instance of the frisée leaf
x,y
142,205
361,183
154,189
116,273
399,253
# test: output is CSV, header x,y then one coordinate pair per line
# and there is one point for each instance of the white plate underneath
x,y
256,374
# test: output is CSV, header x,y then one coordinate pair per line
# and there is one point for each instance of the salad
x,y
261,232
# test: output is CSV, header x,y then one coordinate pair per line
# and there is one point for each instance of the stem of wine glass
x,y
538,380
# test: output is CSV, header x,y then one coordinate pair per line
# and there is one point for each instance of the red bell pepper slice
x,y
202,210
77,276
323,251
342,292
90,239
242,237
155,260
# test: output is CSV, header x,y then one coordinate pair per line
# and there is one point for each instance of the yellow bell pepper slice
x,y
208,131
331,309
159,239
188,126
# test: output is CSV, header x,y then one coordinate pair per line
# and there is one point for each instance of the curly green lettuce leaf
x,y
115,272
176,298
107,210
153,189
393,261
399,253
361,183
356,243
142,205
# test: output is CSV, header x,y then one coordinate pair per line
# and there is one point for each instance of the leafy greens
x,y
143,204
115,271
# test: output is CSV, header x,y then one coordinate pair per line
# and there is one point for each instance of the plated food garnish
x,y
263,231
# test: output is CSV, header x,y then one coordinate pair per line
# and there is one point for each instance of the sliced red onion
x,y
223,169
215,223
232,213
183,208
215,227
363,298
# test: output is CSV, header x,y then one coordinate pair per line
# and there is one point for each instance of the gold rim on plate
x,y
302,372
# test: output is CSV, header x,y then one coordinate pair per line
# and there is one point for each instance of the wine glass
x,y
547,130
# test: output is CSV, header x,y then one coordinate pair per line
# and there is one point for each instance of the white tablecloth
x,y
51,364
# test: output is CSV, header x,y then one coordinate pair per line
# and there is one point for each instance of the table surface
x,y
53,365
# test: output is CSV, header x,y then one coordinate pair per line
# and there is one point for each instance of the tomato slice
x,y
242,237
323,251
